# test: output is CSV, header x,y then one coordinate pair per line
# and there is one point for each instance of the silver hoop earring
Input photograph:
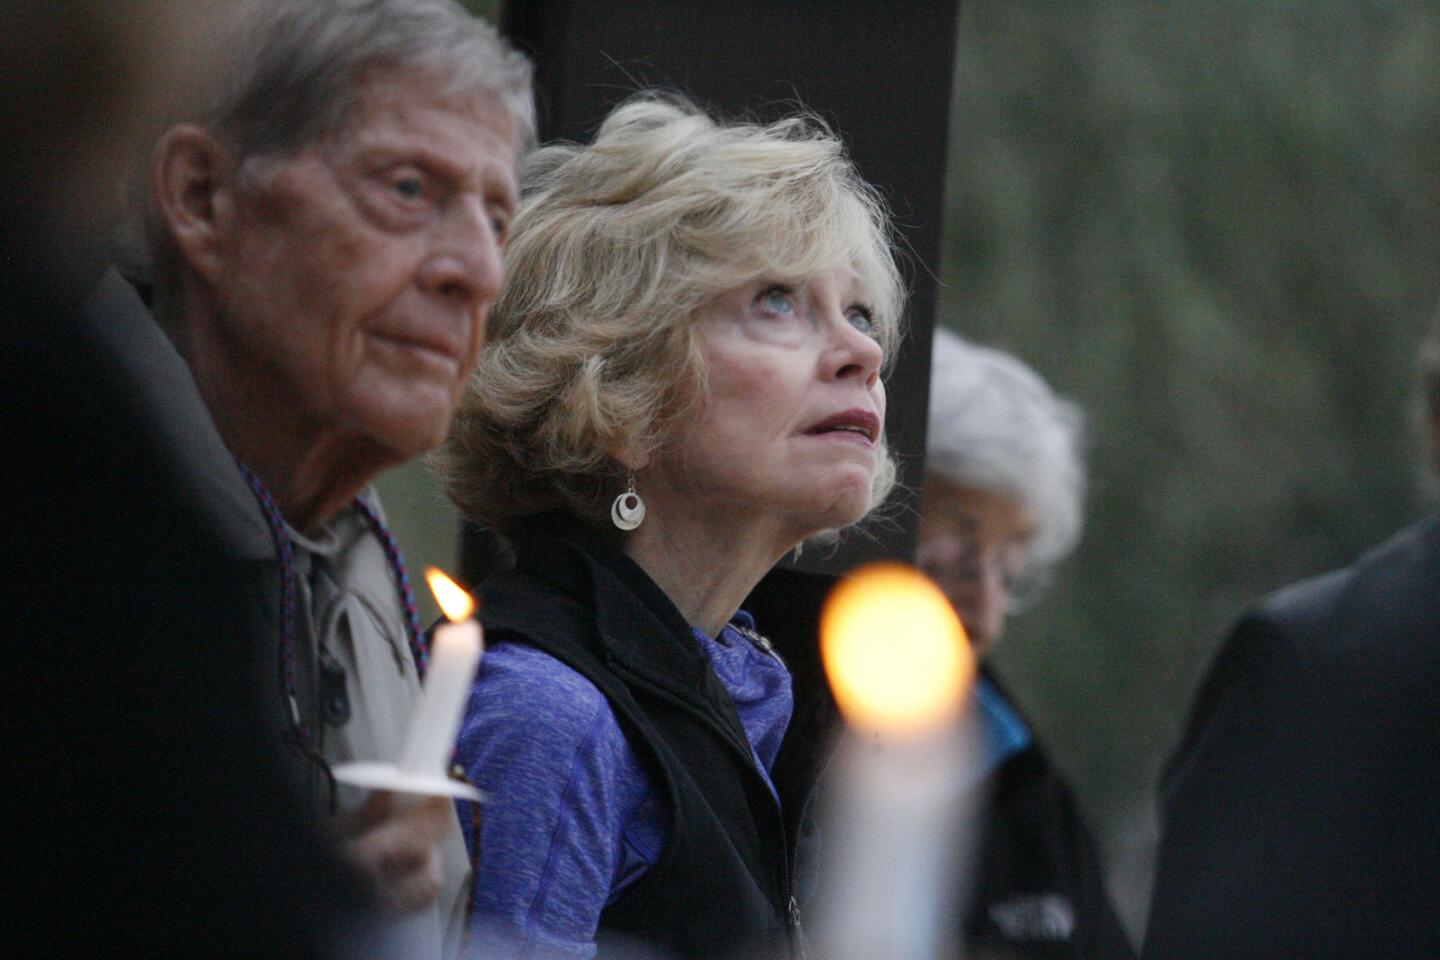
x,y
628,510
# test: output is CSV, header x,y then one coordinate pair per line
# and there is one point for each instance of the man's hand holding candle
x,y
394,841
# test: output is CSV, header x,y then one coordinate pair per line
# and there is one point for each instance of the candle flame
x,y
454,602
895,652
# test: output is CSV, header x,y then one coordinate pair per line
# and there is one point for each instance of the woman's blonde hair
x,y
616,245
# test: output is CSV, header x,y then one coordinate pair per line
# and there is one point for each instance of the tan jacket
x,y
346,585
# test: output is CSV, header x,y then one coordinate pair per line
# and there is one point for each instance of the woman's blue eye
x,y
860,319
778,300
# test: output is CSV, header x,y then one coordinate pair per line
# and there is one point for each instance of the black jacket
x,y
1301,812
1039,891
725,884
151,813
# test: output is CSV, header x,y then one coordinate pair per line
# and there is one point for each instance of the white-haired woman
x,y
682,384
1002,504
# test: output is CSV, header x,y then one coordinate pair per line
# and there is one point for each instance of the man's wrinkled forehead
x,y
402,115
398,105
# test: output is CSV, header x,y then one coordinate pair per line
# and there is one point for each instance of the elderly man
x,y
1302,808
322,241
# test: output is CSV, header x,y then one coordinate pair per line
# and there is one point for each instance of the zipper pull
x,y
799,948
759,640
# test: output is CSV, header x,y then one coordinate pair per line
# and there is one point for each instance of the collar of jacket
x,y
167,399
626,619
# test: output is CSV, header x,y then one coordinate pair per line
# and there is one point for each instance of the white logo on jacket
x,y
1040,916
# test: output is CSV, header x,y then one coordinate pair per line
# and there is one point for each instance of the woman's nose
x,y
855,353
982,603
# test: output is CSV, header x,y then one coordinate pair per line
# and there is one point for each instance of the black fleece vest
x,y
723,884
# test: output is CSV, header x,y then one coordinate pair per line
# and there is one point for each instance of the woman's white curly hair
x,y
996,425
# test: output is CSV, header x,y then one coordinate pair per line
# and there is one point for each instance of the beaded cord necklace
x,y
285,551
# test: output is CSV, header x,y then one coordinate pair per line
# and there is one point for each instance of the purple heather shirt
x,y
571,818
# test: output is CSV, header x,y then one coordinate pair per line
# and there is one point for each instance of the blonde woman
x,y
682,384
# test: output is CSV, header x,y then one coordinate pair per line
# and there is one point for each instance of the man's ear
x,y
190,170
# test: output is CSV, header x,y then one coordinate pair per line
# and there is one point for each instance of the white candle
x,y
896,835
896,838
454,656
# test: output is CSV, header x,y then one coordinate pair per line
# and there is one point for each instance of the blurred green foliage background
x,y
1215,225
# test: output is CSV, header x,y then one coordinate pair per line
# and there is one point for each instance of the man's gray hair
x,y
996,425
285,74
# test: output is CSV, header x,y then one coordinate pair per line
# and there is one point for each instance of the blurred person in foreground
x,y
146,812
1001,505
320,241
682,385
1300,813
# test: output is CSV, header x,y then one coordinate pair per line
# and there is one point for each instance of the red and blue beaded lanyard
x,y
285,551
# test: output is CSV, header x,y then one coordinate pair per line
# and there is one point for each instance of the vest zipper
x,y
798,947
793,929
794,933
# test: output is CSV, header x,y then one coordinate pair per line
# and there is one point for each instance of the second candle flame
x,y
895,652
455,603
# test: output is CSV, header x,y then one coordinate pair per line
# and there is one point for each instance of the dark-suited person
x,y
1301,811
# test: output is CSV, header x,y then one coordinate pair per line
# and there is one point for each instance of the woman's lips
x,y
856,425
